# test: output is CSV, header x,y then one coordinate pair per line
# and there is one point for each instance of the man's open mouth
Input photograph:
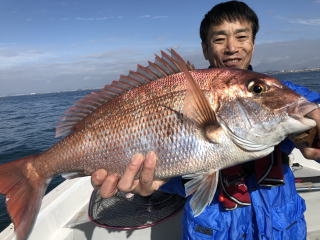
x,y
232,60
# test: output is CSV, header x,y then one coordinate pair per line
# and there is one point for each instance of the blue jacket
x,y
275,213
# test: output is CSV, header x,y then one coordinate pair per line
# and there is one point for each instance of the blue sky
x,y
51,45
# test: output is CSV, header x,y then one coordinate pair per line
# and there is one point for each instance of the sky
x,y
48,46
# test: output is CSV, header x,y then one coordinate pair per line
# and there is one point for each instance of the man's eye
x,y
217,40
242,37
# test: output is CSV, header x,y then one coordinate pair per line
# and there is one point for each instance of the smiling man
x,y
257,200
229,44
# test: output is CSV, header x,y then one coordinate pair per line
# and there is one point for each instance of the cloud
x,y
152,17
145,16
105,18
12,57
24,76
158,17
35,71
77,72
113,55
53,77
314,22
287,55
304,21
98,18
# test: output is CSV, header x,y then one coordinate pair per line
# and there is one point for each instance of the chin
x,y
235,66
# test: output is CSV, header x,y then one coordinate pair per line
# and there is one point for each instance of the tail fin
x,y
24,189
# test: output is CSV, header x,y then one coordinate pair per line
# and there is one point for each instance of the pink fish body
x,y
197,122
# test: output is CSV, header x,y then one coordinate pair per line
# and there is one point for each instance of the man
x,y
228,33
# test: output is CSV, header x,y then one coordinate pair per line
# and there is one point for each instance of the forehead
x,y
227,27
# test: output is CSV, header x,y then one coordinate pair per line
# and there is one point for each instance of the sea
x,y
27,122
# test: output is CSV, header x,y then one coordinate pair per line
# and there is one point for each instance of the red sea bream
x,y
196,121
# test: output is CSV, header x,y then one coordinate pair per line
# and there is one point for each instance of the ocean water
x,y
27,123
27,126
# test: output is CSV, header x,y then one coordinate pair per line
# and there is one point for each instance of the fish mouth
x,y
307,107
308,122
302,108
300,111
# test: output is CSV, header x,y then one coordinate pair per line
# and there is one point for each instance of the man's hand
x,y
144,186
314,151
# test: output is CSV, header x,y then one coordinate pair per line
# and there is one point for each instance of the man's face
x,y
229,45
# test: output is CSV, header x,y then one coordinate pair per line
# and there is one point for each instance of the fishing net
x,y
131,211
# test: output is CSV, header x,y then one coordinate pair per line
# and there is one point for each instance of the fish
x,y
197,121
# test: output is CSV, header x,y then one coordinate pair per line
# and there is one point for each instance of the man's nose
x,y
231,46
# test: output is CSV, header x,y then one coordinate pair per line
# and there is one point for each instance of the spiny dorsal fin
x,y
162,67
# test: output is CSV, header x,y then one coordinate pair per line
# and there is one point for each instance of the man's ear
x,y
205,50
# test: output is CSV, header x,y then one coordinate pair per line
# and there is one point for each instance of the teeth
x,y
233,60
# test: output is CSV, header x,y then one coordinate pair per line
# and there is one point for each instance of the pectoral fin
x,y
196,106
203,187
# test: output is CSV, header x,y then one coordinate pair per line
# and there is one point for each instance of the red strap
x,y
269,170
233,190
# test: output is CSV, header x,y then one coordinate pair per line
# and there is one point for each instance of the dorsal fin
x,y
162,67
196,106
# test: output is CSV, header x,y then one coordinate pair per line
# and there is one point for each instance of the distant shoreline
x,y
44,93
294,70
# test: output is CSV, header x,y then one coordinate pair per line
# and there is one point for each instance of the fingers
x,y
109,186
149,165
315,115
311,153
146,182
98,177
145,185
126,183
314,151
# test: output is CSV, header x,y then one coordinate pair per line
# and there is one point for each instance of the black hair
x,y
230,11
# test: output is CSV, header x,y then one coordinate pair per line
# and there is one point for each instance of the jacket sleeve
x,y
303,91
287,146
174,186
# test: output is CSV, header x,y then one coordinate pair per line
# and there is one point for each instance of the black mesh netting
x,y
129,211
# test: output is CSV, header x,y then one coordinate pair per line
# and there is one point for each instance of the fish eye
x,y
256,87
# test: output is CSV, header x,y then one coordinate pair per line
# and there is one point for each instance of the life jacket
x,y
233,191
